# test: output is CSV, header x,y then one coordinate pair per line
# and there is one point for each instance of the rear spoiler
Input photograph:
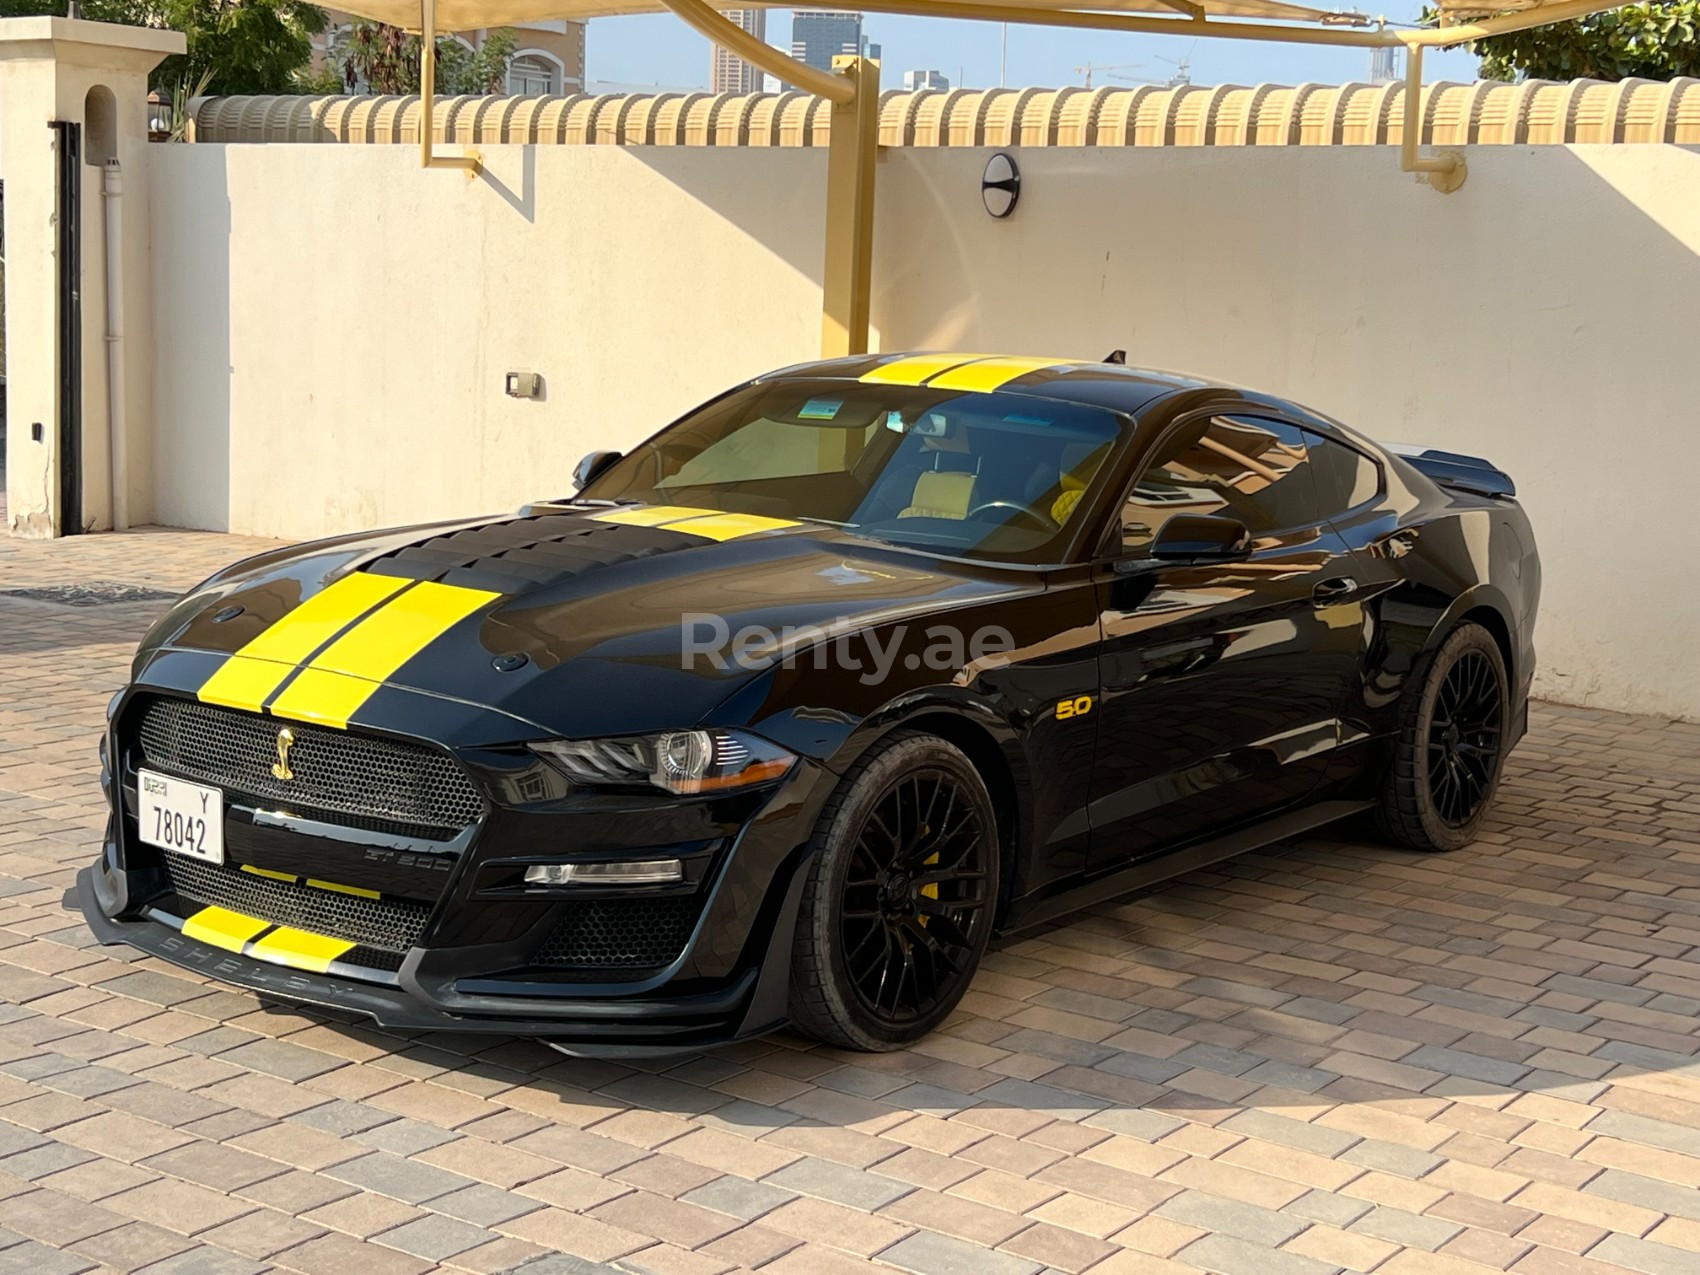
x,y
1455,470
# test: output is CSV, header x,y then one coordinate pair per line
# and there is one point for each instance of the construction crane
x,y
1092,68
1183,67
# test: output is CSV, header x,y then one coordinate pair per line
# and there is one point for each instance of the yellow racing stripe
x,y
991,374
343,889
729,526
915,369
223,928
259,668
241,682
267,872
344,675
329,699
650,515
300,949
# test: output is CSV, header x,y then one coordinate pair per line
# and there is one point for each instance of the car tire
x,y
866,911
1450,749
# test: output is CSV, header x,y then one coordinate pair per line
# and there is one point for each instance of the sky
x,y
661,50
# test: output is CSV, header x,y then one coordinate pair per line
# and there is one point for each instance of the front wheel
x,y
1451,745
897,907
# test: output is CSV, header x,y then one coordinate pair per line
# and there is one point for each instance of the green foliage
x,y
382,59
235,46
1653,41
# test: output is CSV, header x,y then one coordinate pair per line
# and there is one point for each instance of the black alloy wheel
x,y
1450,749
1464,738
898,906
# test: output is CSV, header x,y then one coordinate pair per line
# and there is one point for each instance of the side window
x,y
1229,466
1345,477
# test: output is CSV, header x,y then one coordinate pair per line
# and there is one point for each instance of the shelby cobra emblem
x,y
285,741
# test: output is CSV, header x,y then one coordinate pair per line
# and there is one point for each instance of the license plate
x,y
179,816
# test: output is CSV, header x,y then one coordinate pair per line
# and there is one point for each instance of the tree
x,y
378,58
235,46
1655,41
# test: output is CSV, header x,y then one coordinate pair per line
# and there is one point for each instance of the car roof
x,y
1114,386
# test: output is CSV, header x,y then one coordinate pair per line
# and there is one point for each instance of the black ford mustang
x,y
787,711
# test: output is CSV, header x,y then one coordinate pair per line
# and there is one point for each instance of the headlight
x,y
683,762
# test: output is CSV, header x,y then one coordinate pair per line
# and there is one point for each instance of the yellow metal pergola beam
x,y
734,39
468,162
853,88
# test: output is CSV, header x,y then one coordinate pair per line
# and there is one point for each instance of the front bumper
x,y
750,1005
476,956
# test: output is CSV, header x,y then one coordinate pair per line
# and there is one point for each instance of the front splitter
x,y
395,1008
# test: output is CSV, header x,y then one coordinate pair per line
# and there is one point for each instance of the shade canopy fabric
x,y
467,15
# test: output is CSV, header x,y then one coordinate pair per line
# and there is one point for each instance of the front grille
x,y
389,925
378,784
621,933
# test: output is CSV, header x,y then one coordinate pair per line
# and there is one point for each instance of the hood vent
x,y
524,555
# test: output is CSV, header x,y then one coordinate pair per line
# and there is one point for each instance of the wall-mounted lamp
x,y
524,385
1000,185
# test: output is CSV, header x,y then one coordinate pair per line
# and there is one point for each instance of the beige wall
x,y
350,317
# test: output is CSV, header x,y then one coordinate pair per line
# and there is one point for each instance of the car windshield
x,y
997,476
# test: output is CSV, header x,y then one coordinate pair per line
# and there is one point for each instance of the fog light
x,y
637,872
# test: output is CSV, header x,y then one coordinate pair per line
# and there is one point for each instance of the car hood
x,y
574,620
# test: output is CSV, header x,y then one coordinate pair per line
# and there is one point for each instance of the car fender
x,y
1477,597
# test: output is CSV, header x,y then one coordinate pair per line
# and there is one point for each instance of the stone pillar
x,y
95,74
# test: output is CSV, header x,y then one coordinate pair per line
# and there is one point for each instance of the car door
x,y
1220,682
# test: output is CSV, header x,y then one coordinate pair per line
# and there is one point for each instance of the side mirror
x,y
1201,538
591,466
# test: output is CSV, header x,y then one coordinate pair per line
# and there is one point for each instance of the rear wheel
x,y
897,908
1451,745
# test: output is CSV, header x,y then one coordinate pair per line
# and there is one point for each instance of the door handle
x,y
1334,590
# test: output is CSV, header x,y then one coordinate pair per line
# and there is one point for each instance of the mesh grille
x,y
621,933
390,925
379,784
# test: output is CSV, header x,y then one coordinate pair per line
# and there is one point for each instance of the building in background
x,y
729,73
914,81
548,56
1384,66
819,35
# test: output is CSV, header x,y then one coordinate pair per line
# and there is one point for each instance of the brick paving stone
x,y
363,1215
31,1258
868,1192
1231,1217
129,1247
928,1254
739,1197
261,1233
344,1255
1305,1058
1407,1230
1232,1255
177,1206
205,1261
401,1178
435,1237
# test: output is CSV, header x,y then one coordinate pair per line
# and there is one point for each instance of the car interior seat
x,y
1081,461
947,488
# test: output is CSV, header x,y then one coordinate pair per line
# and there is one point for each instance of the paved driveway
x,y
1326,1056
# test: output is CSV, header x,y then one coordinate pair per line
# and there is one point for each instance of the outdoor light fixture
x,y
1000,185
637,872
